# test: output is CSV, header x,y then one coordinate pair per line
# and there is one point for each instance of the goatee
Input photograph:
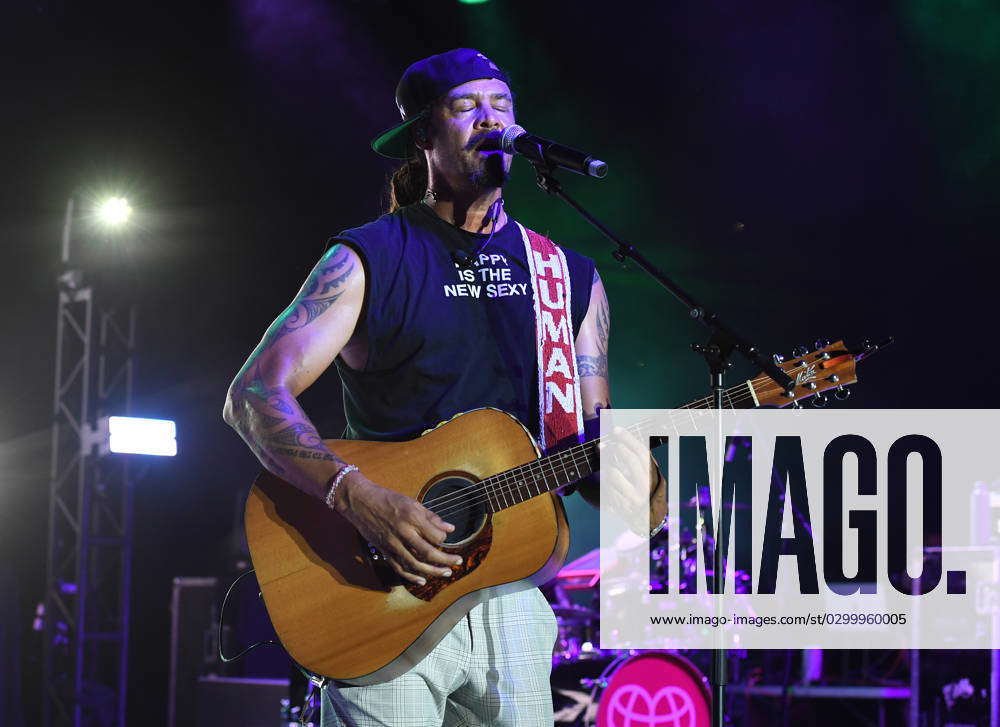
x,y
491,174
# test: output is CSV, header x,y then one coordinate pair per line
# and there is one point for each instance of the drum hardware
x,y
629,689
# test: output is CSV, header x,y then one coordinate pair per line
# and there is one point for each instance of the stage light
x,y
472,2
133,435
114,211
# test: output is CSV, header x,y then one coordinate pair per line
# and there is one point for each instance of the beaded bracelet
x,y
335,482
656,531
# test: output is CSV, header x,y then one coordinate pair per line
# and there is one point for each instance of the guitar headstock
x,y
831,366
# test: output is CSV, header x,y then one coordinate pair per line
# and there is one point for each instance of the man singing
x,y
427,312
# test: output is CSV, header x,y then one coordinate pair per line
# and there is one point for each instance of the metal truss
x,y
90,517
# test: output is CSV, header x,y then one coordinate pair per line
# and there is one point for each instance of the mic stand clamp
x,y
722,342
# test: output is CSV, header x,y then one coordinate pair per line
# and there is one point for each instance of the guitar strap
x,y
559,406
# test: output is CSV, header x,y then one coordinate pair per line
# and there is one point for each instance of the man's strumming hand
x,y
402,529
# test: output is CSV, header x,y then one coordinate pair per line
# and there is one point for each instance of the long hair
x,y
408,184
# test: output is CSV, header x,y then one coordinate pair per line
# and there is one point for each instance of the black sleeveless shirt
x,y
443,339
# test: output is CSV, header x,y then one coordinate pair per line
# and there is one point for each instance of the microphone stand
x,y
723,341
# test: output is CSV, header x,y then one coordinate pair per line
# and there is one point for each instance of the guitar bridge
x,y
383,570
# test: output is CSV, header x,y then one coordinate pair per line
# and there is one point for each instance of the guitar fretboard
x,y
548,474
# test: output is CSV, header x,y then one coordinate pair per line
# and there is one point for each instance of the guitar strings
x,y
508,484
510,474
504,485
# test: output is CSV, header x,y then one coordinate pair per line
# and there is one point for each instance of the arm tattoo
x,y
253,390
592,366
268,417
265,459
301,315
255,395
308,307
309,454
267,421
597,365
298,434
314,309
336,263
251,397
338,260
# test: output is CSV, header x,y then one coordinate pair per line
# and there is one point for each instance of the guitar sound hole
x,y
458,501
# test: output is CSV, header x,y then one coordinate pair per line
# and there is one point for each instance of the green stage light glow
x,y
472,2
959,53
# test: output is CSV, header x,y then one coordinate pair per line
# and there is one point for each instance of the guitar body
x,y
339,610
342,613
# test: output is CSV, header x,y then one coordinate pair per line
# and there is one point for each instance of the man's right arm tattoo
x,y
268,417
314,299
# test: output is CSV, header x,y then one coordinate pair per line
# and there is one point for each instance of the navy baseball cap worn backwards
x,y
425,82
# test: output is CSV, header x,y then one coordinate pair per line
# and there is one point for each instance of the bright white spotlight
x,y
114,212
133,435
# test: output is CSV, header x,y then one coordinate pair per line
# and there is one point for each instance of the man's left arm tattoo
x,y
592,365
598,365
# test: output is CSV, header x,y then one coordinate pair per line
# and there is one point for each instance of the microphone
x,y
515,140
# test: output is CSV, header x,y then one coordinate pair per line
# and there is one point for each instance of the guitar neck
x,y
549,473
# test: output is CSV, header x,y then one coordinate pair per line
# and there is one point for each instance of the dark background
x,y
812,168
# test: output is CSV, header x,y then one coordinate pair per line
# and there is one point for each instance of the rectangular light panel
x,y
134,435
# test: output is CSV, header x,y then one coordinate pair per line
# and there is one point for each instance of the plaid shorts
x,y
492,669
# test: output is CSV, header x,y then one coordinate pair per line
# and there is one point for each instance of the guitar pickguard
x,y
472,554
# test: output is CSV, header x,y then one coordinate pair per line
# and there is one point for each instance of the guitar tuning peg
x,y
821,343
799,351
819,401
841,393
778,358
796,404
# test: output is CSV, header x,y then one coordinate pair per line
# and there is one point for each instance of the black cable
x,y
222,616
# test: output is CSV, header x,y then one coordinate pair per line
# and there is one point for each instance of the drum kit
x,y
615,687
638,689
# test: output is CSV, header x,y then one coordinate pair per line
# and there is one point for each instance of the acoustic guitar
x,y
341,612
